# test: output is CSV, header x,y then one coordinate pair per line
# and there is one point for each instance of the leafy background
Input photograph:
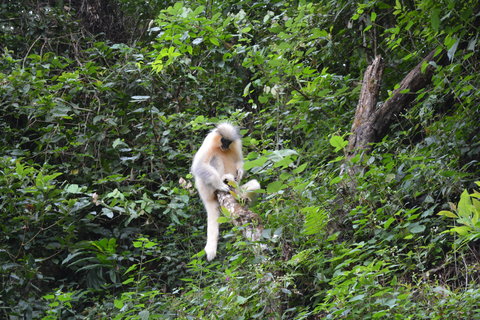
x,y
103,104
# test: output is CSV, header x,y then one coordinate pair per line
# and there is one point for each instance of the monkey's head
x,y
228,134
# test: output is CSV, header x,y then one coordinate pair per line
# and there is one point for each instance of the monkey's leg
x,y
248,188
212,228
251,185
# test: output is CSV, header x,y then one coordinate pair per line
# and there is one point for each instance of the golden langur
x,y
218,161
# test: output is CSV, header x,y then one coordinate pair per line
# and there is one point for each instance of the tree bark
x,y
362,127
241,216
372,122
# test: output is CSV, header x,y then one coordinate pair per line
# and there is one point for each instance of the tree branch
x,y
241,216
401,97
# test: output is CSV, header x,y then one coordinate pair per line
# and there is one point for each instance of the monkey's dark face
x,y
225,143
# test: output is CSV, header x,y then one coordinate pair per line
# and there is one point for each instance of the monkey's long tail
x,y
212,228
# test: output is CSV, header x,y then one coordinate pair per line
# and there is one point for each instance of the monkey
x,y
218,161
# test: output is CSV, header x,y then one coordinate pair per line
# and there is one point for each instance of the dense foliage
x,y
103,104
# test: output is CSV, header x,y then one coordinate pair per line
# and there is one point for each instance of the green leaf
x,y
356,158
416,227
451,51
338,143
463,230
71,256
225,213
119,143
337,159
465,207
435,19
131,268
300,169
255,163
118,304
389,177
214,41
379,314
424,66
150,245
241,300
357,298
139,98
446,213
316,220
263,98
129,280
318,33
336,180
388,222
73,188
223,220
285,162
107,212
275,187
246,90
198,10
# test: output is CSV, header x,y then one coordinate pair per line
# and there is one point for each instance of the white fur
x,y
211,167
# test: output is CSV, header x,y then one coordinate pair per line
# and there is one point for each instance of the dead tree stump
x,y
363,123
371,122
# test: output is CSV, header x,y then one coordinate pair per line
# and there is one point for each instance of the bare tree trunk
x,y
363,123
241,216
371,123
362,127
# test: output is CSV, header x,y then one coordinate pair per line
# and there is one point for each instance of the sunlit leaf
x,y
338,143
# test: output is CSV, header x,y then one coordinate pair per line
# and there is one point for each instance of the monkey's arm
x,y
209,176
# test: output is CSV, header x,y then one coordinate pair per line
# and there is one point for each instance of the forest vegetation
x,y
360,119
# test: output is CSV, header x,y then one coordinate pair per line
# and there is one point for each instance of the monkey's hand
x,y
239,176
223,187
226,178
